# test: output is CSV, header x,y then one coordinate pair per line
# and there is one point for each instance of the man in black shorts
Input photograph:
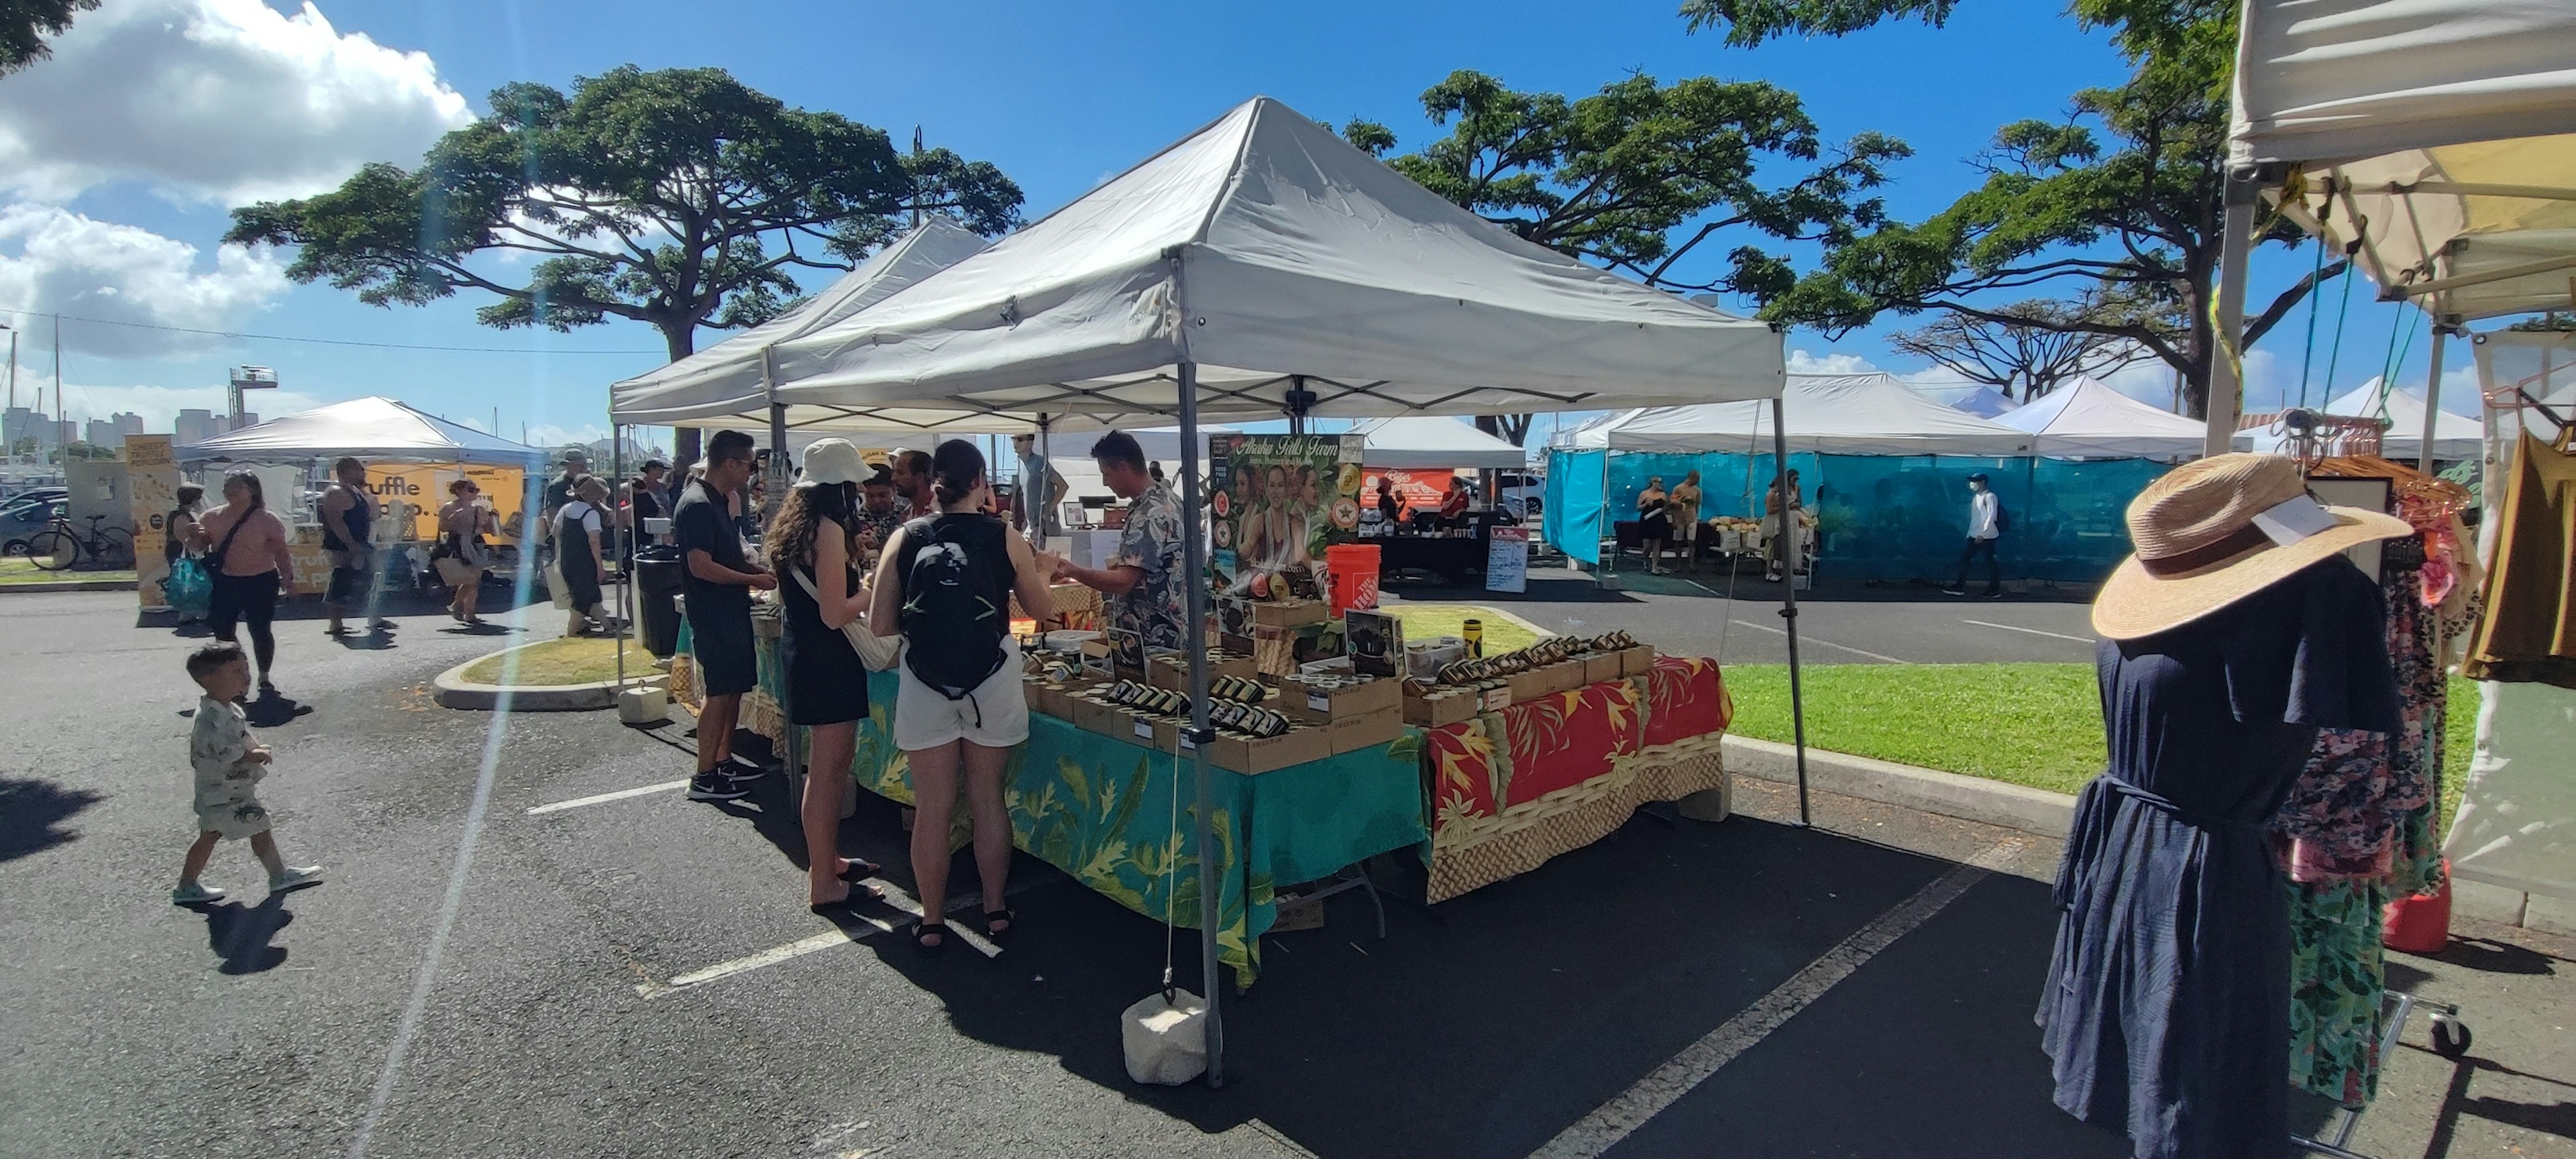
x,y
718,585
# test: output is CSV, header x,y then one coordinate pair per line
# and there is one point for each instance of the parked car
x,y
1520,492
23,517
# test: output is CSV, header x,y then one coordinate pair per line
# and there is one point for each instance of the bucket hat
x,y
2214,531
834,461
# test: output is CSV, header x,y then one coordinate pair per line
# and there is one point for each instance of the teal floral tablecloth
x,y
1100,808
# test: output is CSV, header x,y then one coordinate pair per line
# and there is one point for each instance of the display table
x,y
1513,788
1517,787
1454,558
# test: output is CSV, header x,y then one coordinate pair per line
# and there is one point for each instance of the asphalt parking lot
x,y
529,944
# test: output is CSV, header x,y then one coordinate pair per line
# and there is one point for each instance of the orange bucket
x,y
1354,570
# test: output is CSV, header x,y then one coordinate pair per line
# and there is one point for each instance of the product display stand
x,y
2450,1040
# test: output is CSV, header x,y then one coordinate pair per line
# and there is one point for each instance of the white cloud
x,y
551,435
1802,362
226,100
53,259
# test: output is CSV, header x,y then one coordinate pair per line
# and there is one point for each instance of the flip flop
x,y
856,896
860,869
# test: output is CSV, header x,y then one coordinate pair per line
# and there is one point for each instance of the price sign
x,y
1507,560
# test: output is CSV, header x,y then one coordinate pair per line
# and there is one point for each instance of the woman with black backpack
x,y
947,582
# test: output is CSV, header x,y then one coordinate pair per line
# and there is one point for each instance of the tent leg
x,y
2226,371
624,537
1037,507
2432,397
1194,615
791,747
1789,600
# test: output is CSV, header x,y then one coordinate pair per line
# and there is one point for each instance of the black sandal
x,y
923,931
860,869
1009,923
856,896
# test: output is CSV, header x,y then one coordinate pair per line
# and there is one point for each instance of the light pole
x,y
247,378
9,454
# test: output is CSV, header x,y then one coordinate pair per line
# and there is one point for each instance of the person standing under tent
x,y
1779,523
880,513
1683,509
1048,523
1654,523
644,501
1985,525
1143,577
581,532
911,471
463,553
947,581
247,557
717,583
348,523
815,543
1389,508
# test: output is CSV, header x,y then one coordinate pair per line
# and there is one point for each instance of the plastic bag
x,y
188,590
1166,1038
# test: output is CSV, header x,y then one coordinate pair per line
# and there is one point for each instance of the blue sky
x,y
281,100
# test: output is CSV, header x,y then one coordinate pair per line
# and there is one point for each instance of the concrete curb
x,y
455,691
2034,811
95,585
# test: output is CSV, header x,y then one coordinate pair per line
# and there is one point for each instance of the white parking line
x,y
2032,631
1825,643
895,897
1615,1120
605,798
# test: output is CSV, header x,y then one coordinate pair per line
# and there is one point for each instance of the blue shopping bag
x,y
189,589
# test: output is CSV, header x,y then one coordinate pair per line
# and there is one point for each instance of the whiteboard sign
x,y
1507,560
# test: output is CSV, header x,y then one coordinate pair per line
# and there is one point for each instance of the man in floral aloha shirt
x,y
1143,580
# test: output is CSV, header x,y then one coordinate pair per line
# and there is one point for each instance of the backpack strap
x,y
224,550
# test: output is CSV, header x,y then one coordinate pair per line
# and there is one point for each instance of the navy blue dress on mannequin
x,y
2167,1006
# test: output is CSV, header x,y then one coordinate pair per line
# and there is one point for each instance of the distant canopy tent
x,y
2456,438
2089,419
1975,398
1836,414
1593,433
1427,442
370,428
1260,263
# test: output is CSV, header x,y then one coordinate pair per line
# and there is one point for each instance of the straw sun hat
x,y
834,461
2214,531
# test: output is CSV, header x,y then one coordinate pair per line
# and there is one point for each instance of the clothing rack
x,y
2451,1039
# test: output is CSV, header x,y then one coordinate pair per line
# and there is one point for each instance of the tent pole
x,y
625,538
2432,397
1037,507
1194,615
1789,597
2226,401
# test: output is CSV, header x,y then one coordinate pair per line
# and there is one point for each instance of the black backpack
x,y
2003,518
948,603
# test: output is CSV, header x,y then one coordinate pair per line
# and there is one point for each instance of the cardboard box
x,y
1092,715
1368,731
1603,666
1441,708
1047,699
1636,661
1289,613
1297,746
1496,696
1328,705
1547,680
1278,651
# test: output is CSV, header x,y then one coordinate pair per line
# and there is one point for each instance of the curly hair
x,y
808,506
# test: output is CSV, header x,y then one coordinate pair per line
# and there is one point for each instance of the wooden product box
x,y
1097,716
1371,730
1243,754
1172,670
1603,666
1636,661
1495,696
1442,707
1548,680
1278,651
1328,705
1049,700
1290,613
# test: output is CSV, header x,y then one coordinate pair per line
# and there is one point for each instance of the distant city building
x,y
249,418
103,433
127,423
28,423
195,426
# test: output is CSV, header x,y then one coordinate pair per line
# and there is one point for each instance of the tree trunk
x,y
681,343
1513,429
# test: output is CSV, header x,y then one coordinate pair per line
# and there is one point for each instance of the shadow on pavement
x,y
1489,1024
32,813
239,934
273,708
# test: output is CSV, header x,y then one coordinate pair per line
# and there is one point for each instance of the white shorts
x,y
995,715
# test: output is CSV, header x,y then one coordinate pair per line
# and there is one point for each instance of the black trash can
x,y
657,588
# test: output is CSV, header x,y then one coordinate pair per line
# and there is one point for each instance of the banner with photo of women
x,y
1276,501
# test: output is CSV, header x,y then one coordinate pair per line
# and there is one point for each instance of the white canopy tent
x,y
1830,414
370,428
2455,437
1263,266
2435,133
1975,398
1431,442
2088,419
1593,434
726,384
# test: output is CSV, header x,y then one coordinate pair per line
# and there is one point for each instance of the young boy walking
x,y
228,764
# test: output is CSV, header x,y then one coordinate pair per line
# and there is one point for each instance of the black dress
x,y
826,683
2167,1009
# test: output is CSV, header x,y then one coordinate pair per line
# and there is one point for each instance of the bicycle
x,y
60,545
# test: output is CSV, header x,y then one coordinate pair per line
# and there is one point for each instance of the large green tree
x,y
24,25
2123,197
679,198
1640,176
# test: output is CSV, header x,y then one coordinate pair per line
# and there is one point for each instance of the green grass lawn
x,y
568,660
1504,632
2029,724
24,571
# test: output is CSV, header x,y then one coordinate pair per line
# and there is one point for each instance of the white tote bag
x,y
875,651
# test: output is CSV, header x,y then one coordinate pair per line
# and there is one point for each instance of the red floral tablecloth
x,y
1511,789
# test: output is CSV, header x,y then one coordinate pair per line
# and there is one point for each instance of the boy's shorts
x,y
234,820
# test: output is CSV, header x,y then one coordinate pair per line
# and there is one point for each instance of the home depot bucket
x,y
2420,924
1354,570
